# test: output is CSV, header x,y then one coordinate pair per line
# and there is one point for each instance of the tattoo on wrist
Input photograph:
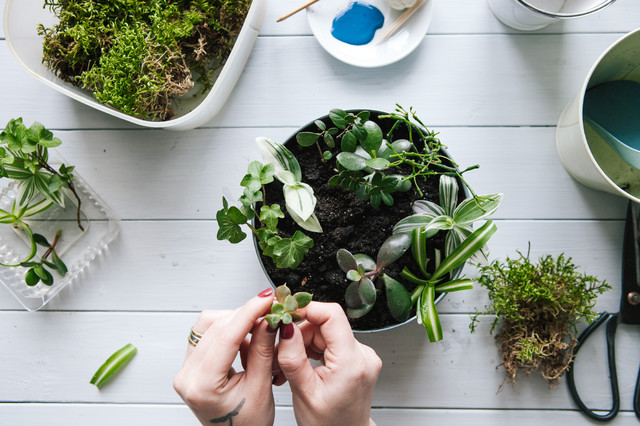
x,y
229,417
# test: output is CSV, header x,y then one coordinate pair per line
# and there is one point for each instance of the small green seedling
x,y
284,309
115,363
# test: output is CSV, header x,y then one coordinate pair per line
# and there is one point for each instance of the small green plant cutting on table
x,y
24,158
378,168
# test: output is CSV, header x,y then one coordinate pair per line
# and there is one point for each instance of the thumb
x,y
292,357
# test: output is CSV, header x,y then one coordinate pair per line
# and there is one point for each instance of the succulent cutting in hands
x,y
285,307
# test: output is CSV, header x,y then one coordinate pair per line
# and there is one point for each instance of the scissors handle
x,y
612,325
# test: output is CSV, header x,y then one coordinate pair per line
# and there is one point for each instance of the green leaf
x,y
41,240
60,265
290,304
55,183
398,298
466,249
113,364
364,261
249,198
320,124
290,251
273,320
303,298
353,275
300,199
47,279
277,308
258,175
378,164
478,208
229,221
282,291
455,285
367,291
278,155
346,261
31,278
351,161
348,142
374,137
359,311
428,315
326,155
410,276
270,215
328,139
363,115
448,194
419,249
337,117
287,318
307,138
352,295
391,250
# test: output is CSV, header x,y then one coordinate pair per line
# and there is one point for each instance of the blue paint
x,y
357,24
613,110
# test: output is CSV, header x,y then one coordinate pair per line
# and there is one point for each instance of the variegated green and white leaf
x,y
6,217
410,276
459,234
428,207
431,224
278,155
24,227
429,314
478,208
455,285
285,177
419,249
299,198
466,249
311,224
448,194
37,207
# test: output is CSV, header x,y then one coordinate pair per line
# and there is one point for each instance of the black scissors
x,y
629,314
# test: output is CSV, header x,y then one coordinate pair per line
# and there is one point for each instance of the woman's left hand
x,y
209,385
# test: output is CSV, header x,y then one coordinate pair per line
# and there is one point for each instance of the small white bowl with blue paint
x,y
350,30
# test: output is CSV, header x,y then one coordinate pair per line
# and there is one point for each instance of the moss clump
x,y
539,306
137,56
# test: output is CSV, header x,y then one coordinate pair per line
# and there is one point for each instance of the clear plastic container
x,y
76,248
21,18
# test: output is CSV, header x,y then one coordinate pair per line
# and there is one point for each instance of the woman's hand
x,y
207,382
340,391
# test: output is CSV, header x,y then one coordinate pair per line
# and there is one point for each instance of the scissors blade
x,y
630,301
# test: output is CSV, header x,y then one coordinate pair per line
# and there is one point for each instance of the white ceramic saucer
x,y
321,14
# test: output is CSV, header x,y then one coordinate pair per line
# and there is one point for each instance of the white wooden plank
x,y
166,175
469,17
180,266
34,414
49,357
499,80
459,17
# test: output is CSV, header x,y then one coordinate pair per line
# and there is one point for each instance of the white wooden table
x,y
495,95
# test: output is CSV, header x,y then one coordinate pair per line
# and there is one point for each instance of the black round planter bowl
x,y
361,234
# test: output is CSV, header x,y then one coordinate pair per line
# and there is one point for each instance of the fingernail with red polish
x,y
266,293
286,331
271,330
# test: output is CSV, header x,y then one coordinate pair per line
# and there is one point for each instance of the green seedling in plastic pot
x,y
283,310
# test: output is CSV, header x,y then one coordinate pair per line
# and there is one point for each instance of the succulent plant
x,y
363,272
284,309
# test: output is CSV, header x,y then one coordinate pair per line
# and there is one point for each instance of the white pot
x,y
21,19
585,155
528,15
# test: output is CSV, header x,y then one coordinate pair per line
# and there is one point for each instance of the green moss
x,y
137,56
538,307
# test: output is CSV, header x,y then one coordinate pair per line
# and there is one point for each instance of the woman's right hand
x,y
340,391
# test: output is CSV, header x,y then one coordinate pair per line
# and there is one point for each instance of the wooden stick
x,y
400,21
282,18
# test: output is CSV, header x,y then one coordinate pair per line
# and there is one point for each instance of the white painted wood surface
x,y
494,94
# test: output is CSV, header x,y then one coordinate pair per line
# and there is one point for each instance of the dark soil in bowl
x,y
349,223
